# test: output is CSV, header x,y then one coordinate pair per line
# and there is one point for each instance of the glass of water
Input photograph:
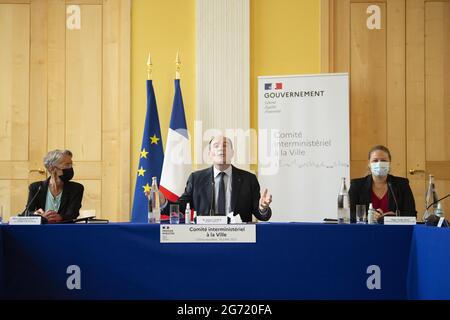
x,y
174,214
360,213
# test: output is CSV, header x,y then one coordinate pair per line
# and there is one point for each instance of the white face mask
x,y
380,168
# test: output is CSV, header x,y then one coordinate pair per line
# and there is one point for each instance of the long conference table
x,y
289,261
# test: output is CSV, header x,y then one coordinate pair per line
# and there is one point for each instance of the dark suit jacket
x,y
70,201
361,193
245,194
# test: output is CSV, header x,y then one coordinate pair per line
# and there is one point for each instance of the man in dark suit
x,y
235,190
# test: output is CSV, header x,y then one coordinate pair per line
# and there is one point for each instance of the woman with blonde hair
x,y
389,195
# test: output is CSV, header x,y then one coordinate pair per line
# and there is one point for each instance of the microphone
x,y
27,207
395,199
432,204
434,218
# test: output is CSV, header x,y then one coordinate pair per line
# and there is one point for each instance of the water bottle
x,y
431,197
187,214
371,215
439,212
343,204
154,211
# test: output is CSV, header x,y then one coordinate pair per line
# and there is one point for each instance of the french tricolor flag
x,y
177,161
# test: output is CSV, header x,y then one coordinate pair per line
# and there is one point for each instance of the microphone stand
x,y
26,212
395,199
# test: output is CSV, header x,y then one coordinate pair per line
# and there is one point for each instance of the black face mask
x,y
67,175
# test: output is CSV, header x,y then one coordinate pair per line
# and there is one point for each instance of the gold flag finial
x,y
149,67
178,66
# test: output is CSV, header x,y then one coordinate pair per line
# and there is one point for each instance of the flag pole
x,y
178,66
149,67
149,77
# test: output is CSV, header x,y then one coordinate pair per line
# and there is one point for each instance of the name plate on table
x,y
212,220
24,220
207,233
400,220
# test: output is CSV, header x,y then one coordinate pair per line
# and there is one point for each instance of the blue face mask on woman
x,y
380,168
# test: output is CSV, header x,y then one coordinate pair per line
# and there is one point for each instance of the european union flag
x,y
151,158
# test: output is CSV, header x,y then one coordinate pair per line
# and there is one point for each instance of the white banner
x,y
303,143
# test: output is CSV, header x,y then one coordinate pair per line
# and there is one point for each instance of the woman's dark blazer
x,y
70,201
361,193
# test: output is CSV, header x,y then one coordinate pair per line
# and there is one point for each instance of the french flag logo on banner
x,y
271,86
177,161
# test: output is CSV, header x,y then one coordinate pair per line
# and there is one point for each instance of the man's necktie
x,y
221,196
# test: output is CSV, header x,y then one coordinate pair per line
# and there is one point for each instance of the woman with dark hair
x,y
388,194
57,198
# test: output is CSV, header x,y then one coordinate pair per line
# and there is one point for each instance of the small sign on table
x,y
26,220
244,233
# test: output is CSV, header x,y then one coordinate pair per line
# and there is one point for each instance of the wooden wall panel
x,y
415,96
84,85
341,37
92,197
56,75
38,87
62,88
437,80
14,75
437,96
116,112
417,86
375,60
395,85
326,36
368,82
124,83
13,170
13,197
